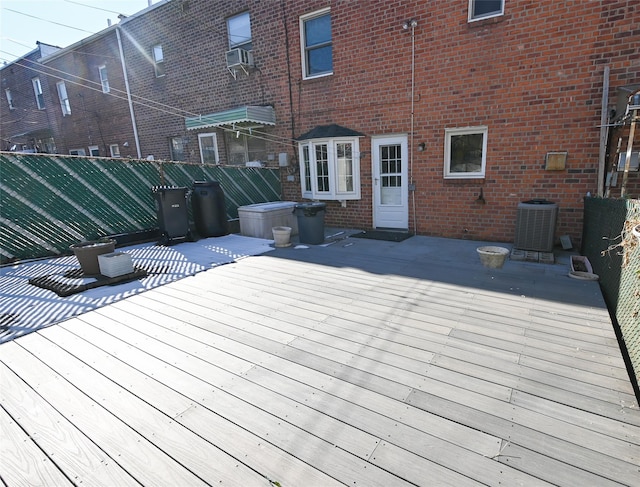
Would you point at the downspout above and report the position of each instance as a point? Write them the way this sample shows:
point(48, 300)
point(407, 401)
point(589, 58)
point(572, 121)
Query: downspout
point(604, 118)
point(126, 84)
point(413, 24)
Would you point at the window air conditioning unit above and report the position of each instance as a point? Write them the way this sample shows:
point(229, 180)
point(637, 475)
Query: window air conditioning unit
point(239, 58)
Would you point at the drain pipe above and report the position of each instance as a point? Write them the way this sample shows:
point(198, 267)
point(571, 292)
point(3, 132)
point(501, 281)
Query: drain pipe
point(126, 84)
point(413, 23)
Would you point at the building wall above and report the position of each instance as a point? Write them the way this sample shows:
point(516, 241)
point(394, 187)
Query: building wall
point(25, 125)
point(97, 118)
point(194, 40)
point(533, 76)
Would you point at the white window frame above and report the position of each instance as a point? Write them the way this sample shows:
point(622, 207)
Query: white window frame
point(475, 18)
point(448, 174)
point(94, 151)
point(303, 47)
point(114, 149)
point(37, 91)
point(158, 61)
point(178, 148)
point(77, 152)
point(246, 44)
point(215, 147)
point(9, 96)
point(65, 106)
point(104, 78)
point(309, 174)
point(250, 153)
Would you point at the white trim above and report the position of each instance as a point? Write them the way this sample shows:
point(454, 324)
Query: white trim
point(390, 216)
point(470, 18)
point(92, 148)
point(104, 81)
point(158, 64)
point(447, 151)
point(65, 105)
point(332, 164)
point(243, 43)
point(215, 146)
point(37, 91)
point(303, 50)
point(9, 96)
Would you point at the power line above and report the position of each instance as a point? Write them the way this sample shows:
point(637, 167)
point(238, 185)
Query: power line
point(47, 20)
point(145, 102)
point(94, 7)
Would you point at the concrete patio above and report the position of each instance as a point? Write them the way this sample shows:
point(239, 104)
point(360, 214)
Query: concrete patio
point(356, 362)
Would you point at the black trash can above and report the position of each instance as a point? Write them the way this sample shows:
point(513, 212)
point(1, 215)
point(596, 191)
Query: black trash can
point(310, 222)
point(172, 211)
point(209, 209)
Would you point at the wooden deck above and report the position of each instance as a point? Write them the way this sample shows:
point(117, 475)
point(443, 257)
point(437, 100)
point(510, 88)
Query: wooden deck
point(340, 367)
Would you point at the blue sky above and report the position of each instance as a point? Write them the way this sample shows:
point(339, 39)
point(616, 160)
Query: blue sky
point(57, 22)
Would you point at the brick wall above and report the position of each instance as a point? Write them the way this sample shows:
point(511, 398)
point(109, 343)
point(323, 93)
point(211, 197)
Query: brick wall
point(26, 124)
point(533, 76)
point(97, 118)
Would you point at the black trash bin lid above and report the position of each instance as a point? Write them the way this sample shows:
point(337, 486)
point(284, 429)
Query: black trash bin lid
point(310, 209)
point(205, 183)
point(538, 202)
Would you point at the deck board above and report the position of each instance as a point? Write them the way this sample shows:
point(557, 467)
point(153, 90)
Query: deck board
point(136, 454)
point(350, 368)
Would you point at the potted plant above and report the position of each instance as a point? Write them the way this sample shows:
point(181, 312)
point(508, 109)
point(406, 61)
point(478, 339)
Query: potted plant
point(87, 253)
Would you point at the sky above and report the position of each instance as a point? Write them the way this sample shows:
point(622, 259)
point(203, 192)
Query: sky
point(56, 22)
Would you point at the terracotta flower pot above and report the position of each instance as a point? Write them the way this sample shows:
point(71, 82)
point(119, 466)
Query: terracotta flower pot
point(493, 257)
point(87, 254)
point(282, 236)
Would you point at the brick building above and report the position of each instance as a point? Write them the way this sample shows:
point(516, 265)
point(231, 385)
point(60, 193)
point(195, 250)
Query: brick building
point(91, 112)
point(437, 117)
point(25, 123)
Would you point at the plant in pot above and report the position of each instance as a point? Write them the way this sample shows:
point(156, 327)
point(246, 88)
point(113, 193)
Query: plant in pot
point(87, 253)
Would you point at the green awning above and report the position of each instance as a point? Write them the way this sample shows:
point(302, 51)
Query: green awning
point(248, 114)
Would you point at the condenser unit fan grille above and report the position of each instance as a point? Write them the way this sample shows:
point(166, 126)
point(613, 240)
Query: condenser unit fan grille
point(535, 225)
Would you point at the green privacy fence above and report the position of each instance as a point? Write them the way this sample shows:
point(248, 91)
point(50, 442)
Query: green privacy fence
point(49, 202)
point(614, 253)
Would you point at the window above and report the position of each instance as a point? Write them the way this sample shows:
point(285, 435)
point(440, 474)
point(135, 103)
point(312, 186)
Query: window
point(94, 151)
point(243, 148)
point(104, 79)
point(115, 150)
point(9, 99)
point(483, 9)
point(77, 152)
point(330, 169)
point(239, 29)
point(317, 48)
point(208, 148)
point(64, 98)
point(37, 90)
point(177, 148)
point(158, 60)
point(465, 152)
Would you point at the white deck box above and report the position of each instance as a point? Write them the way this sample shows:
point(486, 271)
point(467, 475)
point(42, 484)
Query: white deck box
point(258, 220)
point(115, 264)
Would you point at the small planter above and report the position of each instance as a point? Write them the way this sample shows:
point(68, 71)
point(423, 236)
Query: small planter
point(493, 257)
point(281, 236)
point(87, 254)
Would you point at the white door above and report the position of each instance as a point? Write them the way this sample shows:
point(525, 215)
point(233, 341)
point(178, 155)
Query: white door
point(390, 186)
